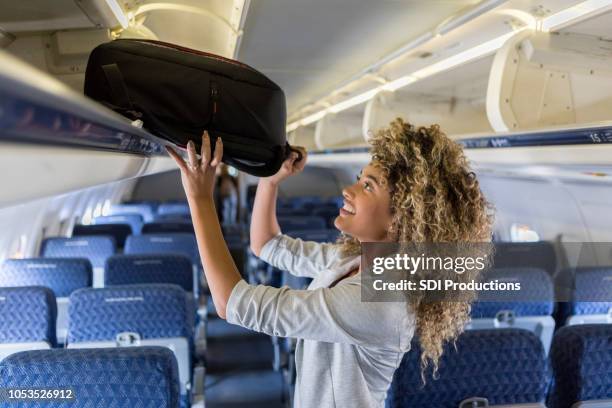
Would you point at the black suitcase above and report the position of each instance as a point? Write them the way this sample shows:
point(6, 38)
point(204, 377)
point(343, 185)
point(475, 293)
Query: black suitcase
point(178, 93)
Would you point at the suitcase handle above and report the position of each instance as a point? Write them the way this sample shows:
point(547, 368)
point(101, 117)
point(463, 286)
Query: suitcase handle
point(289, 149)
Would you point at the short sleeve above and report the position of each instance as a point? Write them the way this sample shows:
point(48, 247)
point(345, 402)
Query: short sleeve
point(335, 315)
point(298, 257)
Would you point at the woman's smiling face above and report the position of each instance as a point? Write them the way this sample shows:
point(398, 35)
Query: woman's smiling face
point(366, 214)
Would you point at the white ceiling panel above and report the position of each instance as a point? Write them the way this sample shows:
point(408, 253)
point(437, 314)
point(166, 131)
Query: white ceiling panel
point(41, 15)
point(310, 46)
point(600, 26)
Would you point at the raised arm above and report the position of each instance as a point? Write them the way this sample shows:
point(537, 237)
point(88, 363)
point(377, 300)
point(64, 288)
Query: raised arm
point(198, 177)
point(264, 225)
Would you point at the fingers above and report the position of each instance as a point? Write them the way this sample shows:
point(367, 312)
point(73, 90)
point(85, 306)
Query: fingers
point(218, 153)
point(205, 149)
point(178, 159)
point(297, 159)
point(191, 154)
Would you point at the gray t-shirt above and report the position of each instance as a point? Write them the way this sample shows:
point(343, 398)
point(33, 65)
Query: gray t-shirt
point(347, 350)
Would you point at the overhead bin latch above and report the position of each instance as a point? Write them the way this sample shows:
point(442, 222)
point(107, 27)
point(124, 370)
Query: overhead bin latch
point(474, 402)
point(127, 339)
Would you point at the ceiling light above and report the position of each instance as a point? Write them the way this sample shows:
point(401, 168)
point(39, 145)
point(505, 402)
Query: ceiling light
point(468, 55)
point(315, 117)
point(399, 83)
point(354, 101)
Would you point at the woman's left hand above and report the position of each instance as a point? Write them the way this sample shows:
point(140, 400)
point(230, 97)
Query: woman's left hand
point(198, 176)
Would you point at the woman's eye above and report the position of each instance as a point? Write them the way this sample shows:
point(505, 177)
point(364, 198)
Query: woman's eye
point(367, 186)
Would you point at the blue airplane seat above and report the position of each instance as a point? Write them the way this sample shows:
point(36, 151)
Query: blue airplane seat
point(173, 208)
point(531, 308)
point(146, 210)
point(592, 298)
point(110, 378)
point(27, 319)
point(119, 232)
point(168, 227)
point(526, 254)
point(170, 243)
point(172, 217)
point(291, 223)
point(581, 359)
point(62, 275)
point(487, 368)
point(135, 221)
point(134, 315)
point(149, 268)
point(95, 248)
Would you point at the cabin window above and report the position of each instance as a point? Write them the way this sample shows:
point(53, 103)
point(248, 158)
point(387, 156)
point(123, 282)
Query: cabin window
point(87, 217)
point(106, 207)
point(19, 247)
point(523, 233)
point(98, 210)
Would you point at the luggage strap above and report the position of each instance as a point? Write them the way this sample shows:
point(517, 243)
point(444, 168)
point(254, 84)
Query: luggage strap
point(118, 89)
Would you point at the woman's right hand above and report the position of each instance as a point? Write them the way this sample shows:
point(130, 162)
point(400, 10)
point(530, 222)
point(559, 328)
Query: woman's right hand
point(290, 166)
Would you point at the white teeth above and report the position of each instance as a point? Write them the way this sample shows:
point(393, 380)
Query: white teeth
point(348, 209)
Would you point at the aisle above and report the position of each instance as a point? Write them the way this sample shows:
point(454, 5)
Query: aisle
point(239, 369)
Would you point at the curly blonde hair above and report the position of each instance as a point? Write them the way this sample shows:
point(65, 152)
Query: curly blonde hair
point(435, 198)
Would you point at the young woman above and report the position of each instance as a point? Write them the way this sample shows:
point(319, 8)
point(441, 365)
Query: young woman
point(417, 188)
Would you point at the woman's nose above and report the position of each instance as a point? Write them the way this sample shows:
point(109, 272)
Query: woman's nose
point(347, 193)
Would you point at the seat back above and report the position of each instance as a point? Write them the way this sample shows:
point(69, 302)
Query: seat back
point(526, 254)
point(118, 231)
point(291, 223)
point(581, 359)
point(172, 217)
point(305, 201)
point(506, 366)
point(173, 208)
point(134, 315)
point(62, 275)
point(111, 378)
point(165, 227)
point(27, 319)
point(592, 301)
point(168, 243)
point(95, 248)
point(145, 210)
point(135, 221)
point(531, 308)
point(142, 269)
point(172, 243)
